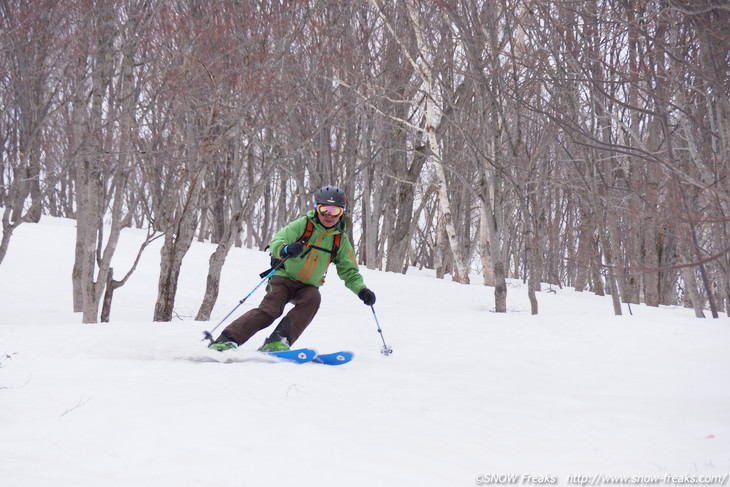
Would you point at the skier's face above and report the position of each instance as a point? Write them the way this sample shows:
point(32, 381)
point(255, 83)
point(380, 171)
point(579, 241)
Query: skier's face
point(329, 220)
point(329, 215)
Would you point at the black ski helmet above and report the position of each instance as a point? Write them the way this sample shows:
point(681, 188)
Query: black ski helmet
point(330, 195)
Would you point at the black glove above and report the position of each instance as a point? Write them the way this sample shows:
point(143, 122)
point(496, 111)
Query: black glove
point(292, 250)
point(367, 296)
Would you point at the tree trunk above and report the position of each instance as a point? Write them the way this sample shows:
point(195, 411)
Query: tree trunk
point(495, 253)
point(613, 267)
point(486, 255)
point(217, 259)
point(177, 243)
point(690, 287)
point(106, 304)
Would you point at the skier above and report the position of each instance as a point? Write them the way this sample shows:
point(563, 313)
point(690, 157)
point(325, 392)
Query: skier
point(307, 246)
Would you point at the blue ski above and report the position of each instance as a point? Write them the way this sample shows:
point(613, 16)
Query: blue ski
point(337, 358)
point(300, 356)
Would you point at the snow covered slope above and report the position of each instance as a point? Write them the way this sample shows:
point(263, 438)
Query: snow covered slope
point(468, 397)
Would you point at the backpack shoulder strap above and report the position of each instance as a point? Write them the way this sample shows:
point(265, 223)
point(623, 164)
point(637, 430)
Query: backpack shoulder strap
point(336, 246)
point(307, 232)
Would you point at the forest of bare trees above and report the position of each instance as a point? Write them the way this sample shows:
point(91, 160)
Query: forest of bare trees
point(575, 143)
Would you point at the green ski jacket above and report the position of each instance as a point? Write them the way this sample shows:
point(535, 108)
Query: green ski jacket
point(310, 267)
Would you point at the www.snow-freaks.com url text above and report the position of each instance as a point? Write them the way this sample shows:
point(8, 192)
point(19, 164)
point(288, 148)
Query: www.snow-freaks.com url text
point(601, 479)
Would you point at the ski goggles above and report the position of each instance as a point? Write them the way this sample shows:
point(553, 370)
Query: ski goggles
point(330, 210)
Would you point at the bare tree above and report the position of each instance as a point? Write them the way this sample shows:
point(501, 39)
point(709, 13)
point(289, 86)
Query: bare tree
point(105, 106)
point(30, 96)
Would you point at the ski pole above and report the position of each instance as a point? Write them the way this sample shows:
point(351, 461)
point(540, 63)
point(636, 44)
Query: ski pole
point(386, 350)
point(208, 335)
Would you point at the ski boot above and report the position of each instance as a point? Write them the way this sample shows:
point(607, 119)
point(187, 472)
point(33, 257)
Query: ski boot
point(223, 346)
point(274, 346)
point(278, 341)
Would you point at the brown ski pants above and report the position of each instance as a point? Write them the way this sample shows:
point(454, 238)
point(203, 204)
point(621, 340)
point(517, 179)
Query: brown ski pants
point(280, 291)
